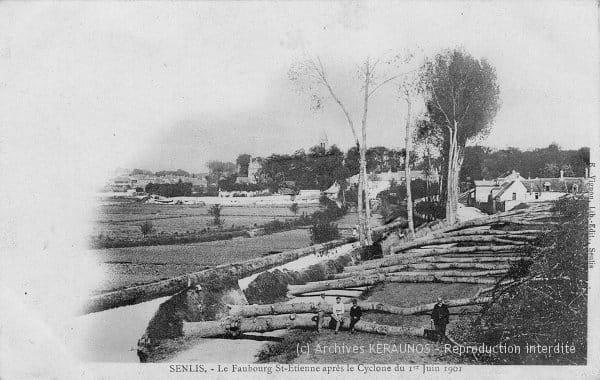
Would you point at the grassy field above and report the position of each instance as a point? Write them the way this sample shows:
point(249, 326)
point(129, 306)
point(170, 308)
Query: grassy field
point(125, 267)
point(122, 219)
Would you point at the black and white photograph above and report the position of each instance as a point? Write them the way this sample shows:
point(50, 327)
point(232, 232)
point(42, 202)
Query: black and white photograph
point(293, 189)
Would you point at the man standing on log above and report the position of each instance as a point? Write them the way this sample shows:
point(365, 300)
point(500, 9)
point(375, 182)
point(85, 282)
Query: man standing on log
point(440, 317)
point(355, 314)
point(338, 313)
point(321, 309)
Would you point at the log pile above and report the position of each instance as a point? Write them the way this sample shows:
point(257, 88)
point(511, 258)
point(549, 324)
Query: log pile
point(263, 318)
point(247, 311)
point(479, 251)
point(232, 327)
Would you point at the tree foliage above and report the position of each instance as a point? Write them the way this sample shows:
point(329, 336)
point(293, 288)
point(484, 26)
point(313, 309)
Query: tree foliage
point(179, 189)
point(178, 172)
point(219, 169)
point(317, 169)
point(141, 171)
point(461, 98)
point(481, 162)
point(461, 89)
point(243, 161)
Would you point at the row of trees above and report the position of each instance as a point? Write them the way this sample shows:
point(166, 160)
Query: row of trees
point(179, 189)
point(317, 169)
point(162, 173)
point(320, 167)
point(485, 163)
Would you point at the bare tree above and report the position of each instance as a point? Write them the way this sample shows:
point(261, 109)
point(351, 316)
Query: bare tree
point(410, 89)
point(409, 203)
point(314, 71)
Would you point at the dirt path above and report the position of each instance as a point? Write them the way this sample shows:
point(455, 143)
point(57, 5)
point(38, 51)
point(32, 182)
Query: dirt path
point(223, 350)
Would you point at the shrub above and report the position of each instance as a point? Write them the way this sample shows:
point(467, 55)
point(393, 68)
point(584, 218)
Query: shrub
point(371, 252)
point(431, 210)
point(323, 231)
point(274, 226)
point(215, 212)
point(324, 200)
point(294, 208)
point(147, 228)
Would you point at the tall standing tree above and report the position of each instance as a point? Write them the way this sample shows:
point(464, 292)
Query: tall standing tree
point(462, 99)
point(242, 162)
point(313, 74)
point(409, 203)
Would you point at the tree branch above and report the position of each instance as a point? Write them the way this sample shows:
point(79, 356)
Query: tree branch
point(320, 70)
point(439, 106)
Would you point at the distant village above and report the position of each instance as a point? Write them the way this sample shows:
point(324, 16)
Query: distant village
point(268, 177)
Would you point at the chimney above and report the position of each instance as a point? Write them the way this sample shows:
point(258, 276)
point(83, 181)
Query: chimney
point(562, 173)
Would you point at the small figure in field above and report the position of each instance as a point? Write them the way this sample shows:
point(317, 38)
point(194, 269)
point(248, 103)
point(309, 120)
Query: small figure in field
point(338, 313)
point(355, 314)
point(321, 309)
point(440, 317)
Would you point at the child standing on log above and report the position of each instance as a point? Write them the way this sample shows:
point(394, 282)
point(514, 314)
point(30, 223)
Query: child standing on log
point(440, 317)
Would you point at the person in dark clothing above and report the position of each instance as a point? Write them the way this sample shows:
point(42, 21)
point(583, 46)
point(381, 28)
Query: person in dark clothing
point(355, 314)
point(440, 317)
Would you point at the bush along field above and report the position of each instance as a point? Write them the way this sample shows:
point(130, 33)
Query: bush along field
point(547, 306)
point(323, 229)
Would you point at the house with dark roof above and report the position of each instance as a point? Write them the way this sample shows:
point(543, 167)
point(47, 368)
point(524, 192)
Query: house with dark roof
point(513, 189)
point(556, 185)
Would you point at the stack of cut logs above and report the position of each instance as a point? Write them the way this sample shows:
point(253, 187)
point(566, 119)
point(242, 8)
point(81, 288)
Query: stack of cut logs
point(478, 251)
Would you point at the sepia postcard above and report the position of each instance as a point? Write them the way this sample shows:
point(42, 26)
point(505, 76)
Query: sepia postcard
point(295, 189)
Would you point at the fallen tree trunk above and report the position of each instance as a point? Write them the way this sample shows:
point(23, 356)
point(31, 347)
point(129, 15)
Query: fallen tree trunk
point(142, 293)
point(414, 256)
point(343, 283)
point(424, 267)
point(488, 231)
point(478, 259)
point(235, 326)
point(246, 311)
point(486, 221)
point(419, 309)
point(450, 250)
point(496, 255)
point(471, 238)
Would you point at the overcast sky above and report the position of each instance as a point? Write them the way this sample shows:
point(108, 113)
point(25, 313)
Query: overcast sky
point(86, 87)
point(173, 84)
